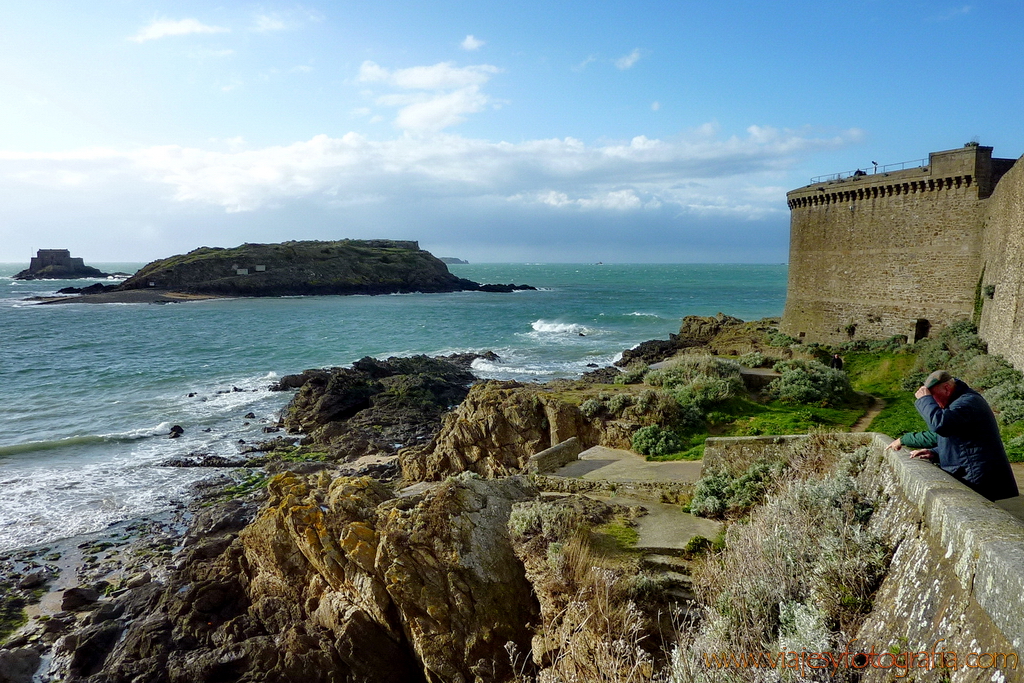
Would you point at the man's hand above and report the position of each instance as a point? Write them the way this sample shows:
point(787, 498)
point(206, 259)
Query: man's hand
point(925, 454)
point(922, 392)
point(894, 446)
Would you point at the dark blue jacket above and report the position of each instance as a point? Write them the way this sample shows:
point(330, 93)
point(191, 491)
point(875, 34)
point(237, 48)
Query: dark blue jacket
point(969, 445)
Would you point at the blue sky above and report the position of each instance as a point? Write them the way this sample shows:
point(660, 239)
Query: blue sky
point(528, 131)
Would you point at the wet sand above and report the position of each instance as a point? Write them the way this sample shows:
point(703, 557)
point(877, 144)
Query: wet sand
point(130, 296)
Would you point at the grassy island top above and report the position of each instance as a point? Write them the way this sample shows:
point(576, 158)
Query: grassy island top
point(301, 267)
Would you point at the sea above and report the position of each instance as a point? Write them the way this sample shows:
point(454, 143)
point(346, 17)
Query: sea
point(89, 392)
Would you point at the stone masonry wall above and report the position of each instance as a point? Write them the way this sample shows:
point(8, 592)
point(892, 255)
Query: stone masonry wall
point(1002, 319)
point(954, 583)
point(872, 255)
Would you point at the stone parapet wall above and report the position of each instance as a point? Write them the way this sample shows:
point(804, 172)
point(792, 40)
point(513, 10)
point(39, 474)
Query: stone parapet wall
point(559, 455)
point(956, 579)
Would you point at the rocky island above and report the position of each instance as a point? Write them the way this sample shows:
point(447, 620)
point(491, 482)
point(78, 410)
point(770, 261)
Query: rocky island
point(305, 268)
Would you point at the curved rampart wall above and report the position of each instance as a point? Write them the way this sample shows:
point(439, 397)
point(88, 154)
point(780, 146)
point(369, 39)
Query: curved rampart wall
point(957, 573)
point(1002, 319)
point(873, 256)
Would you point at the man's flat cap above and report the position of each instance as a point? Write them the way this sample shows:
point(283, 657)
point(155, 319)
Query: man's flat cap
point(937, 377)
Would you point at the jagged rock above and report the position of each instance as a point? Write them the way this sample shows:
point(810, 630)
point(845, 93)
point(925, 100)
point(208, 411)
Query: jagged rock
point(97, 288)
point(648, 352)
point(492, 433)
point(376, 406)
point(35, 578)
point(500, 425)
point(601, 375)
point(460, 611)
point(78, 597)
point(18, 665)
point(465, 360)
point(298, 381)
point(203, 461)
point(340, 580)
point(138, 580)
point(698, 330)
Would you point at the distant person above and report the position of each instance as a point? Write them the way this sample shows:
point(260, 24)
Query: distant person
point(836, 363)
point(963, 438)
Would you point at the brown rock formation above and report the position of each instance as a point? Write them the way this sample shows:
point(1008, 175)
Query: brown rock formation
point(339, 580)
point(500, 425)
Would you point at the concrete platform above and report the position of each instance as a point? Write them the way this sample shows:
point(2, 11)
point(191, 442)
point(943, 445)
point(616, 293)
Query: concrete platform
point(665, 529)
point(618, 466)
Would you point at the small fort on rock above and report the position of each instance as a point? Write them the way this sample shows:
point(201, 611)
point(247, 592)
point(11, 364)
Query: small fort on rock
point(910, 249)
point(57, 264)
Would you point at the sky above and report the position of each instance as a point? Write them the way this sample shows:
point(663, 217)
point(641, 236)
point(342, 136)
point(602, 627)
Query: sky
point(132, 130)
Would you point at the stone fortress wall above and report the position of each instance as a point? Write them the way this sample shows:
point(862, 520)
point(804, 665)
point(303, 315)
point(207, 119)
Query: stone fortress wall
point(54, 257)
point(905, 252)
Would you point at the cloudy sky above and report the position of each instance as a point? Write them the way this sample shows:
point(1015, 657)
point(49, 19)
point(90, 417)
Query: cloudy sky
point(526, 131)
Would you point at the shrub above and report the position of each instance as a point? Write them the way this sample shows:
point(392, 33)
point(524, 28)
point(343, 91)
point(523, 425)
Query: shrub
point(781, 340)
point(654, 440)
point(646, 400)
point(633, 373)
point(800, 573)
point(720, 494)
point(547, 519)
point(618, 403)
point(809, 382)
point(591, 408)
point(754, 359)
point(1008, 399)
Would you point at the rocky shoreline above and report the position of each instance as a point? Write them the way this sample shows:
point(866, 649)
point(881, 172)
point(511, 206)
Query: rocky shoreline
point(367, 541)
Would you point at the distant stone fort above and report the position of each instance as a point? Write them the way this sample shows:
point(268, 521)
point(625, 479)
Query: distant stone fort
point(57, 264)
point(908, 251)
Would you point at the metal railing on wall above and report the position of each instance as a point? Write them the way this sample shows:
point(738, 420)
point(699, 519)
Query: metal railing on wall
point(871, 170)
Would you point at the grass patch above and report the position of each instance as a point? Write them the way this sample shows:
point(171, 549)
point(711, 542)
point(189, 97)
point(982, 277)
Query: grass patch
point(614, 538)
point(898, 417)
point(691, 453)
point(882, 374)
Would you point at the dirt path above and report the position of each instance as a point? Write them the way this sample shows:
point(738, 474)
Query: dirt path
point(862, 424)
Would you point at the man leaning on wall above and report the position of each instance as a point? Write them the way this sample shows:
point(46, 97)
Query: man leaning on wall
point(963, 437)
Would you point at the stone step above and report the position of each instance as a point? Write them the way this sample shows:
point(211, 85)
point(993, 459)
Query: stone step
point(665, 563)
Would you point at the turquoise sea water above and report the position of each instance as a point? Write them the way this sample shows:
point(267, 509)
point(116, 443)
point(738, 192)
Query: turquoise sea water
point(90, 391)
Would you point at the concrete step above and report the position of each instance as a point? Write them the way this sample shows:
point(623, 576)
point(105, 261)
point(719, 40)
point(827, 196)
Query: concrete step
point(665, 563)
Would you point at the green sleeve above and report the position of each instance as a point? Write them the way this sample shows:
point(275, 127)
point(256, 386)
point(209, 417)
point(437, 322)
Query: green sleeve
point(920, 440)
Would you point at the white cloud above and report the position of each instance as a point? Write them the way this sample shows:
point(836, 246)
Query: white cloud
point(583, 65)
point(442, 111)
point(655, 106)
point(471, 43)
point(161, 28)
point(694, 174)
point(689, 197)
point(439, 76)
point(265, 23)
point(627, 61)
point(953, 13)
point(431, 98)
